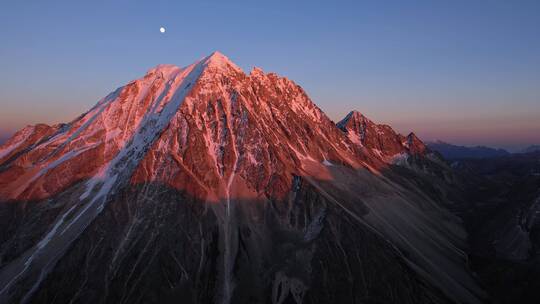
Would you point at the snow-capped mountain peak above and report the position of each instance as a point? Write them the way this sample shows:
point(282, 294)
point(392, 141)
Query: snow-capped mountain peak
point(379, 139)
point(224, 178)
point(353, 118)
point(217, 60)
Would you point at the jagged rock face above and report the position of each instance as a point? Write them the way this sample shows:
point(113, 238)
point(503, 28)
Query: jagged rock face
point(242, 136)
point(206, 184)
point(26, 138)
point(381, 140)
point(415, 145)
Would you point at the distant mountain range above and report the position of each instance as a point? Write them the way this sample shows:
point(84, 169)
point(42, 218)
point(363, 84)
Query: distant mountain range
point(450, 151)
point(531, 149)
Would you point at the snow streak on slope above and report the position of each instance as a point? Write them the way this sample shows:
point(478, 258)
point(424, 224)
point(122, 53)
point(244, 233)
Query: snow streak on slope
point(113, 175)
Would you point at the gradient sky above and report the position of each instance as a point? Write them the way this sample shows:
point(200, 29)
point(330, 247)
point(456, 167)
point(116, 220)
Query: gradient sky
point(467, 72)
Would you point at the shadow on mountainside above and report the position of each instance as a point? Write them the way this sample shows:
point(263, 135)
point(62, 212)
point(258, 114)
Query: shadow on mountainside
point(502, 220)
point(153, 243)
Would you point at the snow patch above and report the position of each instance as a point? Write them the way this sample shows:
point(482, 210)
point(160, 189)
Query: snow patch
point(327, 163)
point(400, 159)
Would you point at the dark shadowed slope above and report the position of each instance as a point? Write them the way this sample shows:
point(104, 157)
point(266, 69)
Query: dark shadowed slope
point(502, 218)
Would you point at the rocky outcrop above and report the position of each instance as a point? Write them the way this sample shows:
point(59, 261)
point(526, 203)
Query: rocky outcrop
point(380, 140)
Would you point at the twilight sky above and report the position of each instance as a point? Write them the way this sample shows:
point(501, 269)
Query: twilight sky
point(467, 72)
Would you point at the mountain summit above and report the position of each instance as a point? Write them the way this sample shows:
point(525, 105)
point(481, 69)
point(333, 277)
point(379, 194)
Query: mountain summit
point(379, 139)
point(207, 184)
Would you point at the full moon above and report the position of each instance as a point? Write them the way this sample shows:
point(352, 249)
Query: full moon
point(162, 29)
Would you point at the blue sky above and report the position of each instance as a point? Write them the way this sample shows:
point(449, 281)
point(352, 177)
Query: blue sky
point(463, 71)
